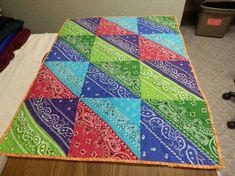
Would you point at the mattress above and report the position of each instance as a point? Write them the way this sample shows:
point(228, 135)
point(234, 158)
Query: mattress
point(20, 73)
point(14, 79)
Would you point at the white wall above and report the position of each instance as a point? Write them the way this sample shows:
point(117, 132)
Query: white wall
point(48, 15)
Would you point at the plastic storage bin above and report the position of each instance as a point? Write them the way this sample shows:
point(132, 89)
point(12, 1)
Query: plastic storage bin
point(214, 19)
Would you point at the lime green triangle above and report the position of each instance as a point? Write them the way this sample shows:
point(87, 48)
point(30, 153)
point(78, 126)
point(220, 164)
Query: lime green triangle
point(168, 21)
point(27, 137)
point(102, 51)
point(81, 43)
point(155, 86)
point(72, 28)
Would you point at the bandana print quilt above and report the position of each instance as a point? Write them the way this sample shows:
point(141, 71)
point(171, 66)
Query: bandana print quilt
point(117, 89)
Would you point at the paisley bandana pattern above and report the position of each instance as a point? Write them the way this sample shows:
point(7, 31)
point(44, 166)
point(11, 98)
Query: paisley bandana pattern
point(93, 137)
point(117, 89)
point(47, 85)
point(56, 117)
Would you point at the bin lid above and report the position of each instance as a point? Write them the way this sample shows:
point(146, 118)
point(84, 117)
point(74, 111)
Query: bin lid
point(219, 8)
point(222, 4)
point(204, 1)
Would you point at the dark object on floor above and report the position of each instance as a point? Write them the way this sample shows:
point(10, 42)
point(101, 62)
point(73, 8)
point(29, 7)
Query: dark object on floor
point(214, 19)
point(227, 96)
point(231, 124)
point(20, 38)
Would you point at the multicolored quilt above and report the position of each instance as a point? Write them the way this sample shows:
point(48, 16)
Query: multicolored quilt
point(118, 89)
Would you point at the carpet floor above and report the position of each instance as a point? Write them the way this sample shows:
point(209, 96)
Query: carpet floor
point(214, 63)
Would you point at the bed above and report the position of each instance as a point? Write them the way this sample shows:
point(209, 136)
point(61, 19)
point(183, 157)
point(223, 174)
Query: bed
point(14, 78)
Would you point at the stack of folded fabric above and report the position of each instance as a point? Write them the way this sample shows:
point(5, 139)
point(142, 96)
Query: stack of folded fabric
point(12, 36)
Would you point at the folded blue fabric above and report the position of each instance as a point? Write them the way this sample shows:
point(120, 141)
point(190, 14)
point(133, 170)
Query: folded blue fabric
point(7, 40)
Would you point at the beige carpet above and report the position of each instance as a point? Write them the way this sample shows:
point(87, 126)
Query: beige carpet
point(214, 63)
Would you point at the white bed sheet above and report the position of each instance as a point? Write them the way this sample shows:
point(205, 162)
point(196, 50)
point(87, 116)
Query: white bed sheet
point(16, 79)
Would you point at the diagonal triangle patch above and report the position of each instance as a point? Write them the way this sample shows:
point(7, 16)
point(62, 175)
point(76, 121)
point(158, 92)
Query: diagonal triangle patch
point(155, 85)
point(126, 73)
point(179, 72)
point(62, 51)
point(152, 51)
point(81, 43)
point(94, 138)
point(56, 117)
point(47, 85)
point(129, 23)
point(104, 51)
point(109, 28)
point(127, 127)
point(129, 107)
point(170, 41)
point(128, 43)
point(90, 24)
point(97, 84)
point(162, 142)
point(27, 137)
point(189, 118)
point(147, 27)
point(166, 21)
point(70, 28)
point(72, 74)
